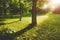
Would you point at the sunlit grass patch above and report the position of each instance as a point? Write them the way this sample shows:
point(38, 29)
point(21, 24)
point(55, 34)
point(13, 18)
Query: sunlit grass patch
point(41, 19)
point(16, 24)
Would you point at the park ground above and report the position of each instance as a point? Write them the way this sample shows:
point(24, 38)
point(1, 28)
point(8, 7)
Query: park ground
point(47, 28)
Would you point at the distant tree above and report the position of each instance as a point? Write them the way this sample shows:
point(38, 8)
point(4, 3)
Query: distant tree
point(4, 7)
point(0, 7)
point(20, 8)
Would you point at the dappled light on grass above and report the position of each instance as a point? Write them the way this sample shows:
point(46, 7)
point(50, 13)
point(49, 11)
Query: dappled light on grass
point(41, 19)
point(48, 27)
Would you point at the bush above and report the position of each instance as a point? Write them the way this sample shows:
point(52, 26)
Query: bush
point(6, 34)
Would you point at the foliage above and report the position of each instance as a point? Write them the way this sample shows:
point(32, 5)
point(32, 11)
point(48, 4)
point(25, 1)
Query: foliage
point(40, 3)
point(13, 6)
point(6, 33)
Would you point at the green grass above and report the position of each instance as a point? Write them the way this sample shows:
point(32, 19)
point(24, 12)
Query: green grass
point(16, 24)
point(47, 28)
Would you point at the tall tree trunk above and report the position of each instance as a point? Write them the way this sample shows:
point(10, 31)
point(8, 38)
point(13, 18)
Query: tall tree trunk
point(34, 21)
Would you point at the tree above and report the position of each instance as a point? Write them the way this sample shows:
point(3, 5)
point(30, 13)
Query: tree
point(4, 7)
point(34, 21)
point(20, 9)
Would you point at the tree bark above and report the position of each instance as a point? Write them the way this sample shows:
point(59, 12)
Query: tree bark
point(34, 21)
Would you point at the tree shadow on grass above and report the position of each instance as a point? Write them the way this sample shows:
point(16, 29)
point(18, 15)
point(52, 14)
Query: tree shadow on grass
point(2, 22)
point(13, 35)
point(30, 26)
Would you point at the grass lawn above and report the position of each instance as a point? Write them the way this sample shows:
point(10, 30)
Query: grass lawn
point(47, 28)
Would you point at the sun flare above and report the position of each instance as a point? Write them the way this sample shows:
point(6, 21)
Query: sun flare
point(45, 6)
point(55, 1)
point(52, 4)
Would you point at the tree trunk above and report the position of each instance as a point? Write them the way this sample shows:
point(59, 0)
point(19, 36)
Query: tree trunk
point(34, 21)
